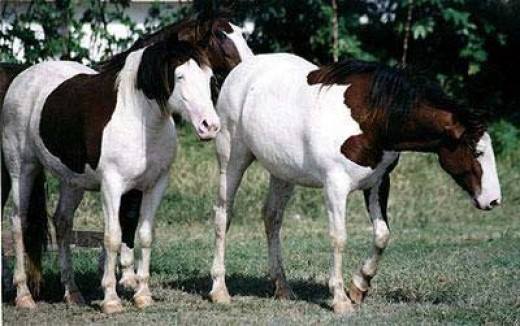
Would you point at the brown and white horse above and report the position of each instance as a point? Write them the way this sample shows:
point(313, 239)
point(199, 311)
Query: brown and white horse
point(340, 128)
point(110, 131)
point(224, 46)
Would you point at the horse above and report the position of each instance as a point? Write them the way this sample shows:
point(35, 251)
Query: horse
point(224, 46)
point(110, 131)
point(340, 127)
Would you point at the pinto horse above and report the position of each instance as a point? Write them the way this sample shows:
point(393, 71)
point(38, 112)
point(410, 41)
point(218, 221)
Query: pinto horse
point(110, 131)
point(223, 44)
point(341, 128)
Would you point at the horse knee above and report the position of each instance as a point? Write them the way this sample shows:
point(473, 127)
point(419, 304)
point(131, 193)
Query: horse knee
point(338, 240)
point(381, 234)
point(113, 240)
point(145, 236)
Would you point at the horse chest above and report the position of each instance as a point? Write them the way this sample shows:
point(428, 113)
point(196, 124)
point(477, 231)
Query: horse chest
point(137, 153)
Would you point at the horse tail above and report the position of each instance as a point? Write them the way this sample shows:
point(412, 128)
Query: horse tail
point(35, 234)
point(6, 184)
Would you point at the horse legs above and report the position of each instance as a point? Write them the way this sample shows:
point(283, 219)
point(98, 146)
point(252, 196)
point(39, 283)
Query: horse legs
point(23, 175)
point(234, 158)
point(279, 194)
point(129, 217)
point(111, 191)
point(376, 202)
point(63, 220)
point(336, 192)
point(150, 203)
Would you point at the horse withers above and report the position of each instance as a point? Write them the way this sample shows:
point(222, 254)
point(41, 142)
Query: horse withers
point(341, 128)
point(110, 131)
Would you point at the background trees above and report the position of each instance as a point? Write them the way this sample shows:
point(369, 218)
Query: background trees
point(469, 46)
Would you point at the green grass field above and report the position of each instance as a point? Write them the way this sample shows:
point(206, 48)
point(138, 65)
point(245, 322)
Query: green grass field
point(446, 263)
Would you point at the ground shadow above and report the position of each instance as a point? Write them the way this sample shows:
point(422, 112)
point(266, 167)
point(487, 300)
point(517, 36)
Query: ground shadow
point(52, 291)
point(246, 285)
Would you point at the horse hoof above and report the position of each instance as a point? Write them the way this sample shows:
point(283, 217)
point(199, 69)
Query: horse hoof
point(112, 307)
point(25, 302)
point(129, 282)
point(284, 293)
point(355, 294)
point(220, 296)
point(343, 307)
point(74, 298)
point(143, 301)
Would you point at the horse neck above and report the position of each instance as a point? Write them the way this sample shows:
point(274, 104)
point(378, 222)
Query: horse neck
point(131, 102)
point(423, 130)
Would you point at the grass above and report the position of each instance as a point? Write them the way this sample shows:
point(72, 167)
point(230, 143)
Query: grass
point(447, 262)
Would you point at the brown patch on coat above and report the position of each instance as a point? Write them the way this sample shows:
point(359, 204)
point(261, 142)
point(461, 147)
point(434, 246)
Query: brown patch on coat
point(397, 111)
point(74, 116)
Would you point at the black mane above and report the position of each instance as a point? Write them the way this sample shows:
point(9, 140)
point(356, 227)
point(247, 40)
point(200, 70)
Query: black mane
point(155, 75)
point(117, 61)
point(395, 92)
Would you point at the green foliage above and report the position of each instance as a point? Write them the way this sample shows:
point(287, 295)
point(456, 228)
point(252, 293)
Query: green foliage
point(506, 137)
point(54, 29)
point(467, 45)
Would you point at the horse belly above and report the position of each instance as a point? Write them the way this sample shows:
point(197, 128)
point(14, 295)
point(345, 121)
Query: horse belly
point(281, 145)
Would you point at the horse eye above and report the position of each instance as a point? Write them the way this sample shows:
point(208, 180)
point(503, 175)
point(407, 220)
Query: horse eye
point(180, 77)
point(221, 35)
point(479, 153)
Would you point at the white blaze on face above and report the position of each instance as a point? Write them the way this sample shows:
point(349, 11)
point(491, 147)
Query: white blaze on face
point(490, 194)
point(240, 43)
point(191, 97)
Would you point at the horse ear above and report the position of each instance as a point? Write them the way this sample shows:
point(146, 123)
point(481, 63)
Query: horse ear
point(154, 77)
point(454, 131)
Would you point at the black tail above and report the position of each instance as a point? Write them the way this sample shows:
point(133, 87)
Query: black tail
point(35, 234)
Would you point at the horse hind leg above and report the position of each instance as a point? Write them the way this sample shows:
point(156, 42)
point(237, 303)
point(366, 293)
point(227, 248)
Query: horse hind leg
point(234, 158)
point(279, 194)
point(22, 178)
point(63, 221)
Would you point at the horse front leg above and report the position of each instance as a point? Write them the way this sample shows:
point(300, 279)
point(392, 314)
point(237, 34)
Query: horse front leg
point(279, 194)
point(111, 191)
point(234, 158)
point(336, 192)
point(376, 199)
point(150, 203)
point(129, 215)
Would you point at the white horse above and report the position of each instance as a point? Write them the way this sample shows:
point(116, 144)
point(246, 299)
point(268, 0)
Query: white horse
point(109, 131)
point(339, 128)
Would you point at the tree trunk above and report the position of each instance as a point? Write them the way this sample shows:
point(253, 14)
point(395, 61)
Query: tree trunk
point(407, 29)
point(335, 31)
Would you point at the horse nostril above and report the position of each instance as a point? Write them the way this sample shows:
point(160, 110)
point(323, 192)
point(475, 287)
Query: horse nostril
point(205, 124)
point(494, 203)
